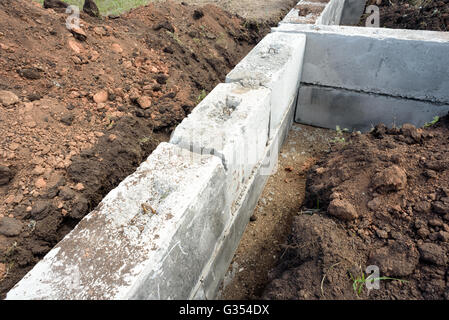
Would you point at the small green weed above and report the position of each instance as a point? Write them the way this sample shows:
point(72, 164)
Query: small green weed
point(359, 282)
point(431, 123)
point(201, 97)
point(340, 135)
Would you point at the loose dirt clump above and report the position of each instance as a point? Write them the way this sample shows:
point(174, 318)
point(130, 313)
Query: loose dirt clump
point(377, 199)
point(81, 108)
point(412, 14)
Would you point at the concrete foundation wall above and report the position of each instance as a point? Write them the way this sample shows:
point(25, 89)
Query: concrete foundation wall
point(170, 230)
point(376, 63)
point(357, 77)
point(275, 63)
point(329, 107)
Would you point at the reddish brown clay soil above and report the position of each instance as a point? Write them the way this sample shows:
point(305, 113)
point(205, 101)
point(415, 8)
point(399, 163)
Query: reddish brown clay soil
point(417, 15)
point(377, 199)
point(80, 110)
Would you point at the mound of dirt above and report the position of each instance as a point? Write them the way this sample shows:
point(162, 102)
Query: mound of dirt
point(378, 199)
point(416, 15)
point(80, 109)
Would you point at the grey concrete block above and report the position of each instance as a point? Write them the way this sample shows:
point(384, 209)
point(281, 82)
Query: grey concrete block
point(243, 209)
point(397, 63)
point(352, 12)
point(275, 63)
point(121, 251)
point(232, 123)
point(329, 107)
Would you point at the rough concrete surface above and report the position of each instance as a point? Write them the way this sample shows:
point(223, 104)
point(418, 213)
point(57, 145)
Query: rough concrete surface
point(328, 107)
point(232, 124)
point(275, 63)
point(242, 211)
point(354, 59)
point(125, 250)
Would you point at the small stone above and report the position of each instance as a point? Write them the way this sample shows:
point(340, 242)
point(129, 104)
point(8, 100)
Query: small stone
point(31, 73)
point(432, 253)
point(423, 207)
point(397, 259)
point(409, 130)
point(5, 175)
point(342, 209)
point(66, 193)
point(7, 98)
point(161, 79)
point(40, 209)
point(34, 96)
point(101, 31)
point(443, 236)
point(10, 227)
point(79, 209)
point(320, 170)
point(374, 204)
point(101, 96)
point(2, 271)
point(391, 179)
point(116, 48)
point(382, 234)
point(79, 187)
point(40, 183)
point(440, 207)
point(38, 170)
point(55, 4)
point(198, 14)
point(433, 236)
point(75, 47)
point(423, 232)
point(67, 119)
point(112, 137)
point(78, 33)
point(10, 199)
point(144, 102)
point(91, 8)
point(435, 223)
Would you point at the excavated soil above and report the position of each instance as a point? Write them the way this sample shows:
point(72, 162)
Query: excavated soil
point(416, 15)
point(255, 11)
point(81, 109)
point(377, 199)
